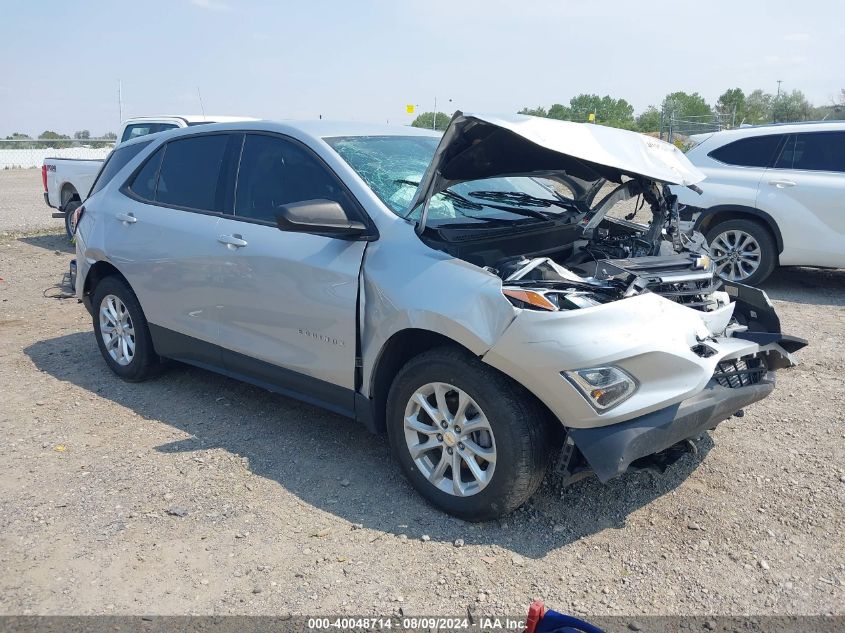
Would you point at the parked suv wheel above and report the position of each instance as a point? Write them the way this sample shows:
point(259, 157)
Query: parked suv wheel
point(469, 439)
point(743, 251)
point(121, 330)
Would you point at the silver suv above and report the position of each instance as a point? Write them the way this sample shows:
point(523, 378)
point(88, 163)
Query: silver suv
point(468, 295)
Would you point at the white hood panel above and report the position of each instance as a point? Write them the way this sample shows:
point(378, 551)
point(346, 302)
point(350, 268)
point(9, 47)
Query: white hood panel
point(627, 151)
point(477, 146)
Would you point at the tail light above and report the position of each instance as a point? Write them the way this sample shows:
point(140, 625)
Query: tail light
point(44, 176)
point(77, 216)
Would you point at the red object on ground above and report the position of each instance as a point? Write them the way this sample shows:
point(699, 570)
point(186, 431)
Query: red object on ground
point(535, 614)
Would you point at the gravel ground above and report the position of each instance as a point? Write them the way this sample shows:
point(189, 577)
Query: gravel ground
point(22, 205)
point(196, 494)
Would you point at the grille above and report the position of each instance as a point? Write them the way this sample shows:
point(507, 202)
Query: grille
point(705, 351)
point(693, 294)
point(740, 372)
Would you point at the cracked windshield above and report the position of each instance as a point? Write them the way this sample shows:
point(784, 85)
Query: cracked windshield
point(392, 166)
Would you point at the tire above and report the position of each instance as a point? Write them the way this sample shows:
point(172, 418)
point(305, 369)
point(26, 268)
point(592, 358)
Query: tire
point(142, 363)
point(747, 237)
point(69, 208)
point(521, 435)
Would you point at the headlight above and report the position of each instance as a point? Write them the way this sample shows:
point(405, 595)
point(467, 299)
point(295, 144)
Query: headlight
point(522, 298)
point(551, 300)
point(603, 387)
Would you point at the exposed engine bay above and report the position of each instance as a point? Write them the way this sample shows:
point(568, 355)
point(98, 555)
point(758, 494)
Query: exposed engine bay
point(588, 257)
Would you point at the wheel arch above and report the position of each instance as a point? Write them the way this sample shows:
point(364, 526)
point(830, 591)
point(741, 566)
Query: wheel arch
point(400, 348)
point(719, 213)
point(96, 273)
point(67, 187)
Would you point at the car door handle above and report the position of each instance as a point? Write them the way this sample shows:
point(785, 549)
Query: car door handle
point(126, 218)
point(232, 241)
point(780, 184)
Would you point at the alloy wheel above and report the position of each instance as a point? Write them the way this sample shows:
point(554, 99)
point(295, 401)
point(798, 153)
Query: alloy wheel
point(737, 254)
point(117, 330)
point(450, 440)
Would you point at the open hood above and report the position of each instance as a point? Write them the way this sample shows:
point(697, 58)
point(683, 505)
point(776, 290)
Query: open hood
point(477, 146)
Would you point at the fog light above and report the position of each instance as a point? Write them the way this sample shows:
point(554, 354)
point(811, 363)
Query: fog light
point(603, 387)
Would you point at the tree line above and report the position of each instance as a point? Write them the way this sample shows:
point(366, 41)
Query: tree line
point(79, 138)
point(733, 107)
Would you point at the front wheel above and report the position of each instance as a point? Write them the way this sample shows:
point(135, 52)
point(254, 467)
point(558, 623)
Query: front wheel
point(469, 439)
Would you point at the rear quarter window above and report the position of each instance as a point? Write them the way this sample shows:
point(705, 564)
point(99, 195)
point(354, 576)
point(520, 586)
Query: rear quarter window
point(814, 151)
point(145, 180)
point(756, 151)
point(116, 161)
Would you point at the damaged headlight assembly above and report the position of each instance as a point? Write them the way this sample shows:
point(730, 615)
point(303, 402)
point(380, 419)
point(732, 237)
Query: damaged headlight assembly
point(553, 300)
point(603, 387)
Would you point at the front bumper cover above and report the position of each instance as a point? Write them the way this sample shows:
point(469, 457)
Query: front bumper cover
point(609, 450)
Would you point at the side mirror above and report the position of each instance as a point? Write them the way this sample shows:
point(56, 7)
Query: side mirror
point(320, 217)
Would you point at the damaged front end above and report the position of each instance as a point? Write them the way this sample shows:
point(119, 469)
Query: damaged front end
point(728, 364)
point(632, 380)
point(623, 330)
point(522, 193)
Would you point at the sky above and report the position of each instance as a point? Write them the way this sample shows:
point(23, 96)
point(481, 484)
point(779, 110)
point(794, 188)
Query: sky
point(364, 60)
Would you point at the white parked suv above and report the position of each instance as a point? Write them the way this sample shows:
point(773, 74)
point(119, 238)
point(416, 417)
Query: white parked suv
point(774, 195)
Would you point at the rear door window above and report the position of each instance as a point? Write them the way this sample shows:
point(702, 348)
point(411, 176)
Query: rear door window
point(756, 151)
point(116, 161)
point(814, 151)
point(197, 172)
point(142, 129)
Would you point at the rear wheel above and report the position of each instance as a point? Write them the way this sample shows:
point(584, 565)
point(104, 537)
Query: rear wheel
point(121, 330)
point(69, 203)
point(742, 250)
point(70, 217)
point(469, 439)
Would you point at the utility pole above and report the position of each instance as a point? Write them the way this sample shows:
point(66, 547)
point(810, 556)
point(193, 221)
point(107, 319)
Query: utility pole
point(779, 82)
point(434, 122)
point(775, 105)
point(202, 107)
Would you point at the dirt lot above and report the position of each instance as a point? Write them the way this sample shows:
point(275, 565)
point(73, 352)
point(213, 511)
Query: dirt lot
point(197, 494)
point(22, 205)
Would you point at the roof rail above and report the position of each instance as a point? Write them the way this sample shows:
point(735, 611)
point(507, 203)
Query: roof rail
point(786, 123)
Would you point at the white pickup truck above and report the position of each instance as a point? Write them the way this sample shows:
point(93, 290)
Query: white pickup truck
point(67, 181)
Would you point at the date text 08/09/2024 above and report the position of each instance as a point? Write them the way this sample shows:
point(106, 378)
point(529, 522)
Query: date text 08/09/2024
point(416, 623)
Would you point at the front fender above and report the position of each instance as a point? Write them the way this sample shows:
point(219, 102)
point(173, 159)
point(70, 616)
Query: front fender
point(407, 285)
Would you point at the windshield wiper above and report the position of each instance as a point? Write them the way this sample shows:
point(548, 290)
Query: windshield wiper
point(520, 198)
point(455, 198)
point(461, 201)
